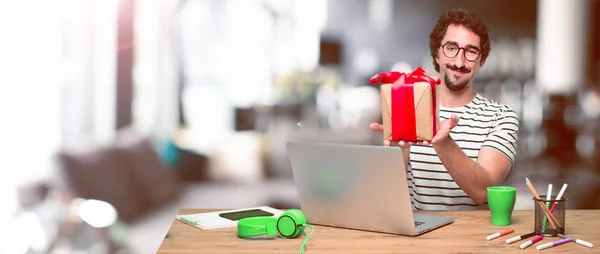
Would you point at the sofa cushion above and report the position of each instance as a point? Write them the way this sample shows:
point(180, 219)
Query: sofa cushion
point(157, 182)
point(99, 173)
point(127, 173)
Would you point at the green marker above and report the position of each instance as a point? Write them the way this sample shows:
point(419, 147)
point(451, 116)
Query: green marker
point(188, 220)
point(549, 198)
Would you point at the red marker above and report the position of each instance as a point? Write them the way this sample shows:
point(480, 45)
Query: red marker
point(532, 241)
point(559, 196)
point(499, 234)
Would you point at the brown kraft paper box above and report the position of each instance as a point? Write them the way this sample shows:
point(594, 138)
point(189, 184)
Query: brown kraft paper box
point(423, 97)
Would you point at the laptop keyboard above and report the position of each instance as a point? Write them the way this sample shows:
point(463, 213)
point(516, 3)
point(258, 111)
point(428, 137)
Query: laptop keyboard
point(417, 223)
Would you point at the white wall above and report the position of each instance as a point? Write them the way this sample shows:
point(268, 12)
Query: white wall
point(56, 83)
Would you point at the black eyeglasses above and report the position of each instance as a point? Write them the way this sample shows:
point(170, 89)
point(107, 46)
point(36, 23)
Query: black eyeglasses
point(451, 50)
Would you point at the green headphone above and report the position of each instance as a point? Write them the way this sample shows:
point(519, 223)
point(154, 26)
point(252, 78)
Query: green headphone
point(289, 224)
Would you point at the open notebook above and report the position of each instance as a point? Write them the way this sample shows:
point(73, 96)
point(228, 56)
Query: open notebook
point(225, 218)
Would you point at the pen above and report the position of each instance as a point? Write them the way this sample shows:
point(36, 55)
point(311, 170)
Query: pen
point(552, 244)
point(578, 241)
point(518, 238)
point(499, 234)
point(532, 241)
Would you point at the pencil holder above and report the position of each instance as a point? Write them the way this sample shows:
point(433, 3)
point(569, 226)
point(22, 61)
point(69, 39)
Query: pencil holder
point(549, 226)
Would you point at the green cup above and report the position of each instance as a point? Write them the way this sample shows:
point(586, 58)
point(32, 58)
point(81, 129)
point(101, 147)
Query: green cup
point(501, 200)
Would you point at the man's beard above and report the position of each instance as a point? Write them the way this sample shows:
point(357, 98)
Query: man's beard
point(452, 86)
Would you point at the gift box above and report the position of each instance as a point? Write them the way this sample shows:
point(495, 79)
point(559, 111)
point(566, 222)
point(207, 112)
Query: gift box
point(409, 105)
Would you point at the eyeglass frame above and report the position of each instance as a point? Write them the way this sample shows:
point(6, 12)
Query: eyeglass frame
point(464, 49)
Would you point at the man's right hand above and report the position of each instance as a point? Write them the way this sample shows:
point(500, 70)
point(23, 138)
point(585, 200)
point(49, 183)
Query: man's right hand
point(379, 128)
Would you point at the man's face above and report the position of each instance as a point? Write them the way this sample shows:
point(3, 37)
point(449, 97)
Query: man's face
point(459, 71)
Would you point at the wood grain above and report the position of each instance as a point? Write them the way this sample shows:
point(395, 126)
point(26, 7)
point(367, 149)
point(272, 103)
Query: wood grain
point(466, 235)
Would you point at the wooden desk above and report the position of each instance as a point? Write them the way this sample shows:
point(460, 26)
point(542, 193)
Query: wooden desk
point(467, 234)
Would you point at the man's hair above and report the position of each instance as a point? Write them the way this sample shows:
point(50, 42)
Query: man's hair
point(458, 17)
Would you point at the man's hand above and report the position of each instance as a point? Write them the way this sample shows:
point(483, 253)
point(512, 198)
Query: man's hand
point(444, 132)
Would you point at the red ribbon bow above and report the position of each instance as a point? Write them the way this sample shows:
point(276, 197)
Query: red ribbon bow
point(403, 101)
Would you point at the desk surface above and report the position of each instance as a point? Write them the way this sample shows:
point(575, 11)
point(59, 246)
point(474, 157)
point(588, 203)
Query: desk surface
point(467, 234)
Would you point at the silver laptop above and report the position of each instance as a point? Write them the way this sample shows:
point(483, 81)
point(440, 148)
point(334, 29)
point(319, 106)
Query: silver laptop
point(357, 187)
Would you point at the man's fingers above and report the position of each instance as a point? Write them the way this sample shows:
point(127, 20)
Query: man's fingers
point(453, 120)
point(405, 144)
point(376, 127)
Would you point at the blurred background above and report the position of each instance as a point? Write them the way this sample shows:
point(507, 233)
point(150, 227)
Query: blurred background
point(117, 113)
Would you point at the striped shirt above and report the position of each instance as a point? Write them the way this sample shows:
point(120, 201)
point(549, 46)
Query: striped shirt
point(482, 122)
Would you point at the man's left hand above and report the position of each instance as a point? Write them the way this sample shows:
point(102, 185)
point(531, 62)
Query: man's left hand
point(444, 131)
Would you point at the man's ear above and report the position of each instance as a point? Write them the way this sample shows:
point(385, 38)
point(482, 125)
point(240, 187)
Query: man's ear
point(481, 63)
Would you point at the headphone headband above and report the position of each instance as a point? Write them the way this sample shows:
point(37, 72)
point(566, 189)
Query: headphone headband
point(255, 226)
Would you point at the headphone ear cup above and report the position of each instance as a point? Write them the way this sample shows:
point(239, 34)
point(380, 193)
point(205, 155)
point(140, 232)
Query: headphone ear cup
point(291, 223)
point(300, 220)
